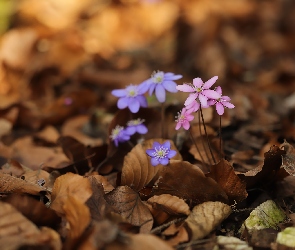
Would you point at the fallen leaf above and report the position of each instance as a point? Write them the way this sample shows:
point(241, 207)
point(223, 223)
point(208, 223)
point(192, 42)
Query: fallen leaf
point(205, 217)
point(137, 171)
point(127, 203)
point(232, 243)
point(12, 167)
point(289, 158)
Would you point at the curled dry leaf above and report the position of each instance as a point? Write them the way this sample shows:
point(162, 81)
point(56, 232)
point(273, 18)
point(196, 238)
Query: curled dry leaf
point(107, 187)
point(205, 217)
point(188, 182)
point(137, 169)
point(11, 184)
point(69, 185)
point(223, 173)
point(170, 204)
point(13, 167)
point(289, 158)
point(128, 204)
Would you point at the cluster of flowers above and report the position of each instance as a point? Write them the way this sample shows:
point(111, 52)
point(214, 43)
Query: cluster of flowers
point(201, 96)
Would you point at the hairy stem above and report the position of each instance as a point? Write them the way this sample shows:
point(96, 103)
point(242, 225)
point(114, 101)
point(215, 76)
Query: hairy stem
point(201, 136)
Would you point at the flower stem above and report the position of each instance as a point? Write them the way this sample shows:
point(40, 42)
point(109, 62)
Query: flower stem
point(201, 136)
point(220, 137)
point(207, 136)
point(162, 119)
point(193, 140)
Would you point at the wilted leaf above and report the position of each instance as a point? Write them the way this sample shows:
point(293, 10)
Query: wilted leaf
point(69, 185)
point(288, 158)
point(12, 167)
point(127, 202)
point(107, 186)
point(137, 169)
point(188, 182)
point(205, 217)
point(11, 184)
point(223, 173)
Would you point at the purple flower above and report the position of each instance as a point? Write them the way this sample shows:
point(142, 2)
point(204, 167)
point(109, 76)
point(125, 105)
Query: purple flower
point(221, 102)
point(119, 135)
point(161, 82)
point(160, 153)
point(199, 91)
point(131, 97)
point(136, 125)
point(183, 119)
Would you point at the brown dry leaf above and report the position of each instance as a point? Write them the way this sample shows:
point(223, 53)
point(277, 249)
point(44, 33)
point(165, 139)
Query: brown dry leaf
point(180, 237)
point(223, 173)
point(140, 241)
point(11, 184)
point(169, 203)
point(107, 186)
point(12, 167)
point(69, 185)
point(38, 177)
point(137, 169)
point(78, 216)
point(289, 158)
point(49, 135)
point(128, 204)
point(205, 217)
point(188, 182)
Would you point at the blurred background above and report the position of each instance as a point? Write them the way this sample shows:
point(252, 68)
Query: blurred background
point(59, 58)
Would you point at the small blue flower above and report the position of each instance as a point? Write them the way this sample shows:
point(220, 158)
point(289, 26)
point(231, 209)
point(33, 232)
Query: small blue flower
point(160, 153)
point(136, 125)
point(131, 97)
point(119, 135)
point(161, 82)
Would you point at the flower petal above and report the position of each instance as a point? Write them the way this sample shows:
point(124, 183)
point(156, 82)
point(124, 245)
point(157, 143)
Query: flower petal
point(144, 86)
point(211, 102)
point(170, 86)
point(166, 144)
point(160, 93)
point(119, 92)
point(178, 125)
point(225, 98)
point(141, 129)
point(186, 125)
point(210, 82)
point(218, 89)
point(185, 88)
point(142, 101)
point(211, 94)
point(156, 144)
point(191, 98)
point(123, 102)
point(150, 152)
point(164, 161)
point(171, 76)
point(219, 108)
point(133, 105)
point(203, 100)
point(228, 105)
point(198, 83)
point(130, 130)
point(154, 162)
point(152, 88)
point(171, 153)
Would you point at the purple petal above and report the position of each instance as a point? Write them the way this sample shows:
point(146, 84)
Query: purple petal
point(218, 89)
point(166, 144)
point(141, 129)
point(203, 100)
point(130, 130)
point(225, 98)
point(133, 105)
point(186, 125)
point(119, 92)
point(171, 153)
point(152, 88)
point(198, 82)
point(123, 102)
point(219, 108)
point(154, 162)
point(156, 144)
point(210, 82)
point(144, 86)
point(164, 161)
point(171, 76)
point(228, 105)
point(211, 94)
point(170, 86)
point(211, 102)
point(185, 88)
point(116, 143)
point(191, 98)
point(150, 152)
point(142, 101)
point(160, 93)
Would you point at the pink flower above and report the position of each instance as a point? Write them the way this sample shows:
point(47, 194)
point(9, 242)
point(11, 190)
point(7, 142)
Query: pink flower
point(200, 91)
point(183, 119)
point(221, 102)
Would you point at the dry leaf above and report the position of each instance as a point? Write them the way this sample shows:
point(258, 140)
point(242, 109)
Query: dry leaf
point(107, 186)
point(12, 167)
point(69, 185)
point(127, 202)
point(188, 182)
point(137, 169)
point(289, 158)
point(205, 217)
point(223, 173)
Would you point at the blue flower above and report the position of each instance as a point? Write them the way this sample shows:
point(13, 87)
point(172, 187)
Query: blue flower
point(131, 97)
point(119, 135)
point(136, 125)
point(161, 82)
point(160, 153)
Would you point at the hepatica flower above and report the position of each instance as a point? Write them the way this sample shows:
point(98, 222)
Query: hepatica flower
point(119, 135)
point(161, 82)
point(183, 119)
point(136, 125)
point(221, 102)
point(200, 91)
point(132, 97)
point(160, 153)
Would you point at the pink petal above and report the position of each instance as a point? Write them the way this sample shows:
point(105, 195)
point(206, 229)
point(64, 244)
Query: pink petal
point(185, 88)
point(225, 98)
point(218, 89)
point(203, 100)
point(178, 125)
point(219, 108)
point(211, 94)
point(210, 82)
point(186, 125)
point(228, 105)
point(193, 107)
point(198, 82)
point(190, 99)
point(190, 117)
